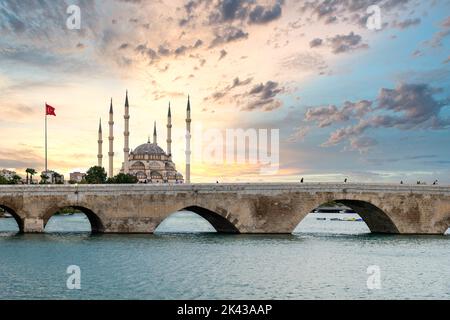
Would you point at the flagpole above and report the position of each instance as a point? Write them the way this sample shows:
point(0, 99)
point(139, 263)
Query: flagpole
point(46, 138)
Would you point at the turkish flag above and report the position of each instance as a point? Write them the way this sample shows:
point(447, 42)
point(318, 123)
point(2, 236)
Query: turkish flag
point(49, 110)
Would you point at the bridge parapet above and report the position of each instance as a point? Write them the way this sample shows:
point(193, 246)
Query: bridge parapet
point(226, 187)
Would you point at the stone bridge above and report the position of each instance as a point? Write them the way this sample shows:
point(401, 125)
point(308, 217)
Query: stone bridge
point(231, 208)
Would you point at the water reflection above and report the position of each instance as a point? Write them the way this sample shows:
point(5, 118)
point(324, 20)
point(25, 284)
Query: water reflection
point(323, 223)
point(185, 222)
point(76, 222)
point(8, 225)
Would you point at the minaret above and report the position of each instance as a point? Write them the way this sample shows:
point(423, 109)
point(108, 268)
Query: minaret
point(126, 134)
point(155, 140)
point(100, 145)
point(169, 133)
point(188, 141)
point(111, 141)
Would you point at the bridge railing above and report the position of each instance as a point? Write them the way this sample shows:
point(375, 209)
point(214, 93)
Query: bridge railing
point(228, 187)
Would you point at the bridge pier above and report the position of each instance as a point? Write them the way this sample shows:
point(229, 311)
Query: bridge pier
point(33, 225)
point(129, 225)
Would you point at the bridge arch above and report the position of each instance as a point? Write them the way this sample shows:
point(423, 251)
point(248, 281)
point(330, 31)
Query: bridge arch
point(16, 217)
point(445, 225)
point(217, 221)
point(376, 219)
point(94, 220)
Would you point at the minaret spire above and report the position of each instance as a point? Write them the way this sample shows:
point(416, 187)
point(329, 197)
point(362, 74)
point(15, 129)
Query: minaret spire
point(100, 144)
point(169, 133)
point(188, 141)
point(126, 134)
point(155, 138)
point(111, 141)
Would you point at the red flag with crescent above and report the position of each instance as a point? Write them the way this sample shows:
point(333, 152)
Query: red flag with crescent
point(49, 110)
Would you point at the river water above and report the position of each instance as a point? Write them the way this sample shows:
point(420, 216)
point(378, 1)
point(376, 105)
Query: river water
point(321, 260)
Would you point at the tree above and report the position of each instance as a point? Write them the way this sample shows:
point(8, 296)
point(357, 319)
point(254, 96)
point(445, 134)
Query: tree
point(123, 178)
point(96, 175)
point(15, 179)
point(3, 180)
point(58, 178)
point(31, 172)
point(27, 173)
point(44, 178)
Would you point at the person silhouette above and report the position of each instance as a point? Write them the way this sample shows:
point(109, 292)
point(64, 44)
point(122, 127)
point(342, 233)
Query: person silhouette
point(345, 181)
point(301, 181)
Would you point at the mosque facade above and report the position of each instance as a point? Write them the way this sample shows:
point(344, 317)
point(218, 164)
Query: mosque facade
point(148, 162)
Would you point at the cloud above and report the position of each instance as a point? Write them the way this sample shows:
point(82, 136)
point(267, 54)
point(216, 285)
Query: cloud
point(354, 12)
point(299, 134)
point(444, 32)
point(20, 17)
point(19, 112)
point(305, 61)
point(317, 42)
point(344, 43)
point(261, 15)
point(223, 54)
point(225, 91)
point(181, 50)
point(406, 23)
point(258, 97)
point(228, 34)
point(362, 144)
point(198, 44)
point(149, 53)
point(416, 105)
point(232, 9)
point(262, 97)
point(326, 116)
point(28, 159)
point(124, 46)
point(163, 50)
point(131, 1)
point(252, 12)
point(407, 107)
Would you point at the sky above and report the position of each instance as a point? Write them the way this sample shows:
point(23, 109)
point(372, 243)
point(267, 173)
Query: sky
point(344, 99)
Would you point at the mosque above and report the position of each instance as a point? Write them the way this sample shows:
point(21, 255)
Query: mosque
point(148, 162)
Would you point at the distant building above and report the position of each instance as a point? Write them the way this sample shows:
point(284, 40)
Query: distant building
point(7, 174)
point(77, 176)
point(53, 177)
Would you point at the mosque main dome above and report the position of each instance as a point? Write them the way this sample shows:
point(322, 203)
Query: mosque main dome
point(148, 148)
point(151, 164)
